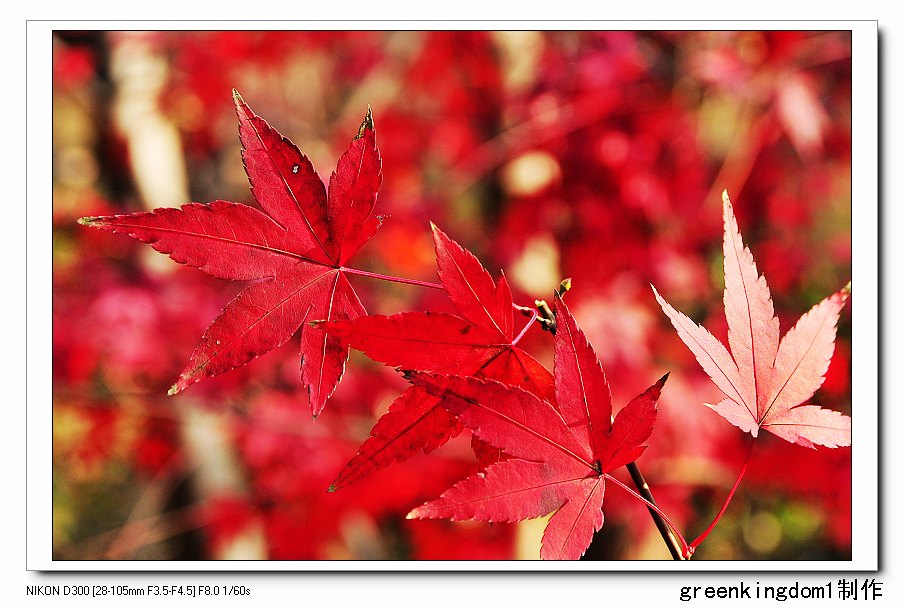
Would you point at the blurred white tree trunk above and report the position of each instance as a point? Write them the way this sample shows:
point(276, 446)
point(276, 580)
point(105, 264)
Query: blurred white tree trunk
point(157, 163)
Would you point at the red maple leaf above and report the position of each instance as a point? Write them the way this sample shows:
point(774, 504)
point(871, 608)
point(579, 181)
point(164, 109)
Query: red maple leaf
point(481, 342)
point(766, 381)
point(294, 252)
point(561, 457)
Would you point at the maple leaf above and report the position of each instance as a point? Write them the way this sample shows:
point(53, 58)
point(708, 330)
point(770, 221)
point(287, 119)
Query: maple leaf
point(294, 252)
point(766, 381)
point(561, 457)
point(480, 342)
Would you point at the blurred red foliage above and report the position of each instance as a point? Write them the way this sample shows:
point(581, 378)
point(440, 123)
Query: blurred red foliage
point(594, 155)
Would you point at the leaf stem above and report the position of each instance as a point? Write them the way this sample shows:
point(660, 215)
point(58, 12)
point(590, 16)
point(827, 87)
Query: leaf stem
point(734, 488)
point(430, 285)
point(533, 317)
point(667, 535)
point(685, 550)
point(361, 272)
point(523, 309)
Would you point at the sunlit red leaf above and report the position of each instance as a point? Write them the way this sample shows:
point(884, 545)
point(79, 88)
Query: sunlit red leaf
point(480, 342)
point(559, 462)
point(293, 251)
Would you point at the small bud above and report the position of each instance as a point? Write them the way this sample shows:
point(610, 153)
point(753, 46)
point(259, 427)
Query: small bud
point(368, 123)
point(564, 287)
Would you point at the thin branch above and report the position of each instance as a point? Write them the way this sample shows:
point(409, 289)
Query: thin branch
point(667, 535)
point(685, 550)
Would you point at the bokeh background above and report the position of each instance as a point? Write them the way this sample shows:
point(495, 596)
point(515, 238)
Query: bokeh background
point(599, 156)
